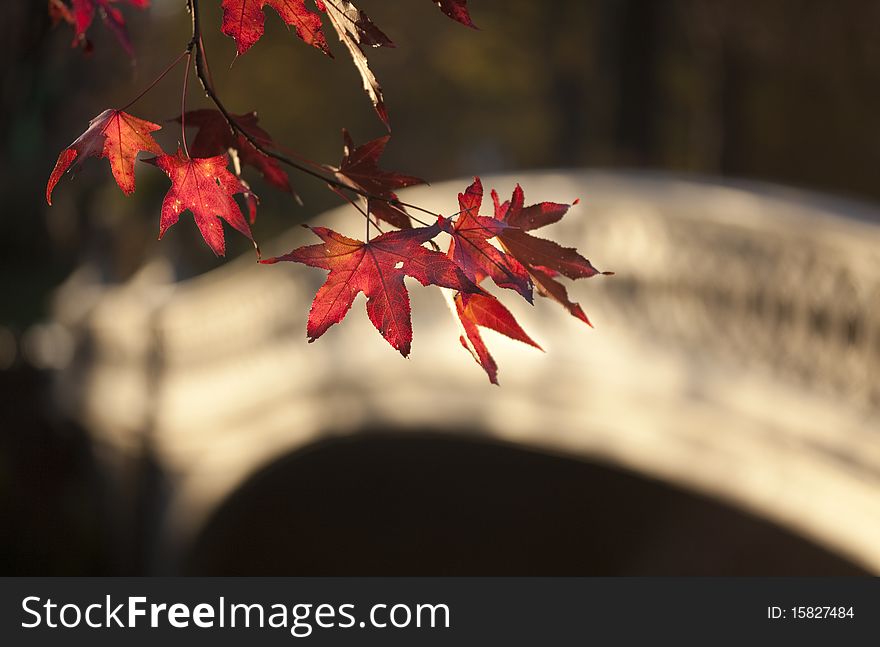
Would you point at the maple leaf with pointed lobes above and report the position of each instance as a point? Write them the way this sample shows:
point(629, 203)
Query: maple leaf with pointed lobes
point(544, 259)
point(457, 10)
point(113, 134)
point(205, 187)
point(360, 169)
point(484, 310)
point(376, 268)
point(355, 31)
point(243, 20)
point(215, 137)
point(471, 250)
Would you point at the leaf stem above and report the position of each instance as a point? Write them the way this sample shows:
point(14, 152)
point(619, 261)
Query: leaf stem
point(155, 81)
point(207, 67)
point(183, 102)
point(362, 211)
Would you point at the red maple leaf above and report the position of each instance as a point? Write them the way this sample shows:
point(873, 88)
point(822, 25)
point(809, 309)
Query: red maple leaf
point(215, 137)
point(484, 310)
point(457, 10)
point(243, 21)
point(205, 187)
point(544, 259)
point(81, 14)
point(376, 268)
point(113, 134)
point(356, 31)
point(471, 250)
point(360, 169)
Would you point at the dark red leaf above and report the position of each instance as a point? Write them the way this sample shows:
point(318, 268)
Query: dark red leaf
point(457, 10)
point(215, 137)
point(533, 251)
point(377, 269)
point(360, 169)
point(544, 259)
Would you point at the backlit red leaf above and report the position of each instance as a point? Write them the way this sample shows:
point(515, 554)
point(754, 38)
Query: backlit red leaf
point(544, 259)
point(376, 268)
point(205, 187)
point(113, 134)
point(471, 250)
point(360, 168)
point(527, 218)
point(533, 251)
point(243, 21)
point(475, 310)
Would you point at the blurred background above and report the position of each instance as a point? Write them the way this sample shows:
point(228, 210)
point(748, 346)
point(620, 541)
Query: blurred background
point(123, 448)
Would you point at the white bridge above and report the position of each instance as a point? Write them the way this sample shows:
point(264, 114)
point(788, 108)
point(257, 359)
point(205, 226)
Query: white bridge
point(736, 353)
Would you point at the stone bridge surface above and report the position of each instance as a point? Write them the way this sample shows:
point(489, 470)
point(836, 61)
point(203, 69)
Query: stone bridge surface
point(735, 353)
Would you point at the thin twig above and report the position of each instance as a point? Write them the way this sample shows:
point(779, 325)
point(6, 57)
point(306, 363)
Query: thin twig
point(183, 103)
point(204, 79)
point(153, 83)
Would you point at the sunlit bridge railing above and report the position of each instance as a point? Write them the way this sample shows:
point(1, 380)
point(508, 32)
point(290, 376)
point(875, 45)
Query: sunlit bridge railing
point(736, 352)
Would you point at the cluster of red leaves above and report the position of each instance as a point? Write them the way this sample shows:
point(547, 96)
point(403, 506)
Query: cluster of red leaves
point(517, 260)
point(199, 175)
point(201, 181)
point(497, 247)
point(202, 185)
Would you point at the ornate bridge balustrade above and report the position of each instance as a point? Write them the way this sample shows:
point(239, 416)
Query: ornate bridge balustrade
point(736, 353)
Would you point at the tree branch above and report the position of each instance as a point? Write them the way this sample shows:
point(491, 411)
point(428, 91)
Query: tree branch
point(195, 45)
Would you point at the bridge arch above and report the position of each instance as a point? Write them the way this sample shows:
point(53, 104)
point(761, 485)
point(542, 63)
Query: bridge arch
point(736, 354)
